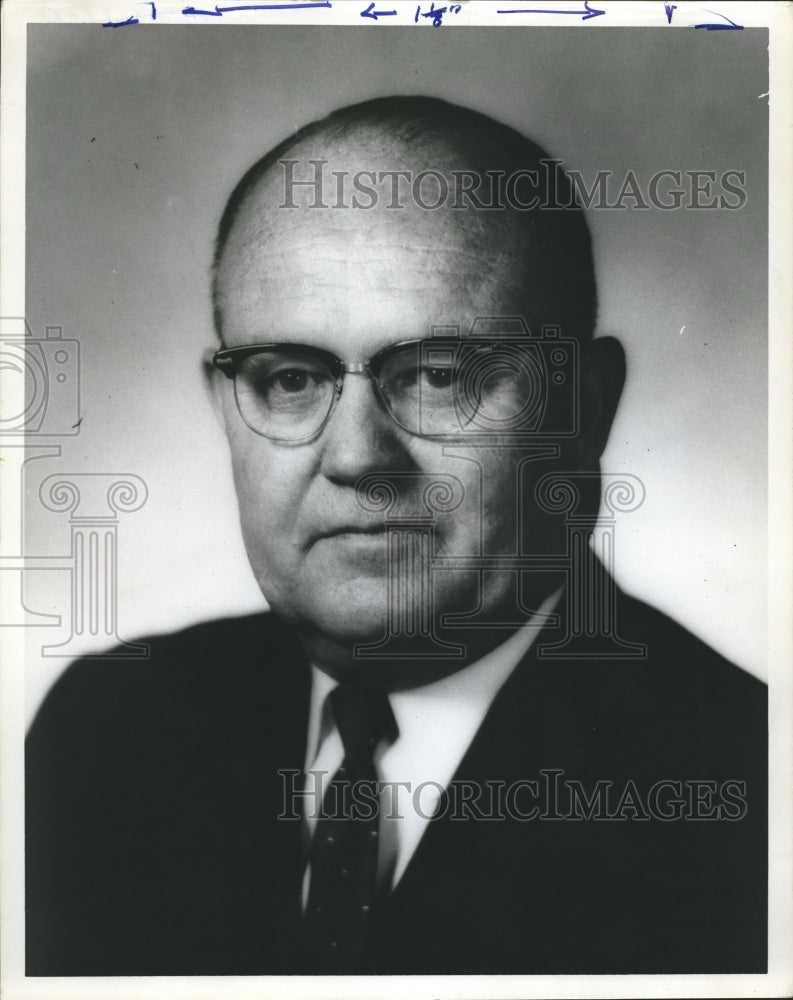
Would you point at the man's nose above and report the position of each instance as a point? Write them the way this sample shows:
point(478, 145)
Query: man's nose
point(360, 436)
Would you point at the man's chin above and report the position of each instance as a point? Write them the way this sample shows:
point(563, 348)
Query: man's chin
point(341, 615)
point(350, 626)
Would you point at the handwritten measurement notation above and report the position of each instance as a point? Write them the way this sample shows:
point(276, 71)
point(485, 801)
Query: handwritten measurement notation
point(425, 13)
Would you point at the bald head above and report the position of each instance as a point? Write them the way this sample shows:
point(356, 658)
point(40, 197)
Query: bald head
point(419, 183)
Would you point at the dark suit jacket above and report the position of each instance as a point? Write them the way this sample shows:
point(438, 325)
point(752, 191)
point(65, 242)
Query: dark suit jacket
point(154, 845)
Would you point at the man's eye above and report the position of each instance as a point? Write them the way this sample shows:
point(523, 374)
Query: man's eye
point(291, 380)
point(439, 378)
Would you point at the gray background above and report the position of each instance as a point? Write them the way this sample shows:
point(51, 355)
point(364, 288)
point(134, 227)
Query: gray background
point(119, 233)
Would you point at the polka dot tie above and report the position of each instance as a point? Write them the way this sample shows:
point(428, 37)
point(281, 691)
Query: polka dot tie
point(343, 890)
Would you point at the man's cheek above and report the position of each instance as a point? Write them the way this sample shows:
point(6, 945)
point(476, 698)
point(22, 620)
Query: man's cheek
point(257, 478)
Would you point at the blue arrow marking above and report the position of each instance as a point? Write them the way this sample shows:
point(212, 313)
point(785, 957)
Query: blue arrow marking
point(220, 11)
point(584, 14)
point(374, 14)
point(121, 24)
point(730, 26)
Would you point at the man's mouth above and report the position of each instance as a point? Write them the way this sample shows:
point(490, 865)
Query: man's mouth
point(374, 530)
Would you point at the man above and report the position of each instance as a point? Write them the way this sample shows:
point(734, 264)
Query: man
point(416, 408)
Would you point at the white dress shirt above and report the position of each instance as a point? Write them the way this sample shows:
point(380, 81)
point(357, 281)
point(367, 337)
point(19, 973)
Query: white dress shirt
point(437, 723)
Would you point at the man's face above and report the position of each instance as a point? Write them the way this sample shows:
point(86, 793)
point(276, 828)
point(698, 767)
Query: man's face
point(352, 283)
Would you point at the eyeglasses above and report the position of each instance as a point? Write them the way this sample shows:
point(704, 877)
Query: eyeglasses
point(430, 388)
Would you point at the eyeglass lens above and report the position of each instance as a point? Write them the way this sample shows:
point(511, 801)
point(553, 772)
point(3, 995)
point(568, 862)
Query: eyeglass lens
point(284, 392)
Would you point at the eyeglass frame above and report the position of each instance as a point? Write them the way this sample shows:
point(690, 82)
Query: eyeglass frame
point(228, 359)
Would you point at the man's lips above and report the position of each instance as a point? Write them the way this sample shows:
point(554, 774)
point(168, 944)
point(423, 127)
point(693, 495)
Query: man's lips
point(350, 529)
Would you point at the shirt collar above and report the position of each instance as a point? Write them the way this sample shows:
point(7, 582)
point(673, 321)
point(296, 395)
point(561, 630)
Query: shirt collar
point(436, 721)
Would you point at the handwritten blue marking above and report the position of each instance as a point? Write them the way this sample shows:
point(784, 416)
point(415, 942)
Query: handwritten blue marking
point(121, 24)
point(731, 26)
point(374, 14)
point(670, 8)
point(153, 10)
point(585, 14)
point(436, 13)
point(220, 11)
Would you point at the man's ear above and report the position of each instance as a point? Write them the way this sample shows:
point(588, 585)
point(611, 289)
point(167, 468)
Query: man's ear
point(602, 379)
point(213, 380)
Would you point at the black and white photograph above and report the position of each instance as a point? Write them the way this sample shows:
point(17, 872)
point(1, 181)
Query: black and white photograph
point(396, 551)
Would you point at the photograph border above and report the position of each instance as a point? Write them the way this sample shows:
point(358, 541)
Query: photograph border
point(778, 17)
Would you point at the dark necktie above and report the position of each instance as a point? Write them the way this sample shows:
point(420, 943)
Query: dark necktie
point(343, 890)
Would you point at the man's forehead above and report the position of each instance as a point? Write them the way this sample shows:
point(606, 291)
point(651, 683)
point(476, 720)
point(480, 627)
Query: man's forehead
point(412, 239)
point(329, 271)
point(392, 291)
